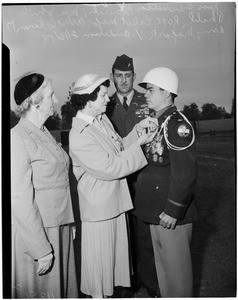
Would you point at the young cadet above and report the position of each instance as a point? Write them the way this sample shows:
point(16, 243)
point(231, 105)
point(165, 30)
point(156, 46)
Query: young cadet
point(165, 187)
point(126, 108)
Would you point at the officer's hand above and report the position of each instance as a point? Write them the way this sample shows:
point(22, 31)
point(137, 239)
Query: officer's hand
point(146, 138)
point(167, 221)
point(147, 125)
point(45, 263)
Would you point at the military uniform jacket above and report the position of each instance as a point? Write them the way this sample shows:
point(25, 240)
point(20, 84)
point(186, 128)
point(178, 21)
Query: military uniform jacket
point(124, 120)
point(167, 183)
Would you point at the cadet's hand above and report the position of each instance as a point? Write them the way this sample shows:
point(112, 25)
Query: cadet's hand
point(167, 221)
point(146, 138)
point(45, 263)
point(146, 125)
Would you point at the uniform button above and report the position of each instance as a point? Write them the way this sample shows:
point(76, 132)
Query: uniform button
point(157, 187)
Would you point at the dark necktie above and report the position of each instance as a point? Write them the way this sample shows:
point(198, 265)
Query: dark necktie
point(125, 105)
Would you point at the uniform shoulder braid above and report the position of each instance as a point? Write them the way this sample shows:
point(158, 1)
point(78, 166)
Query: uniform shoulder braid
point(178, 131)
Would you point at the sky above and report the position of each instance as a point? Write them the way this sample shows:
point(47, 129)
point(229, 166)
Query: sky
point(66, 41)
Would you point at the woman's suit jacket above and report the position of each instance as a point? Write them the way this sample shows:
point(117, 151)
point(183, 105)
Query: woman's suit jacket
point(40, 186)
point(101, 168)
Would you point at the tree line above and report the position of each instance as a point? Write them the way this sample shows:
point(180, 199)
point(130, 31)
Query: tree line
point(208, 111)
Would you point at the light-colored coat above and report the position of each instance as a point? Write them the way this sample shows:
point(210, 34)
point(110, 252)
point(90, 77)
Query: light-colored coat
point(39, 185)
point(101, 168)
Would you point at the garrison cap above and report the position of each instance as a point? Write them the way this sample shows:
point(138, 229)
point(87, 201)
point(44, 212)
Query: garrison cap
point(123, 63)
point(26, 86)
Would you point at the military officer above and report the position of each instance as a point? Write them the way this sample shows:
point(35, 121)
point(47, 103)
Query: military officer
point(165, 187)
point(126, 108)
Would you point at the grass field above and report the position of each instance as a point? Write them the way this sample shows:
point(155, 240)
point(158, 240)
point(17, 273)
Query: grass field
point(214, 237)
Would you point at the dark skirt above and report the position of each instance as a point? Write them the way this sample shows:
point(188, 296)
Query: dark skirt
point(59, 282)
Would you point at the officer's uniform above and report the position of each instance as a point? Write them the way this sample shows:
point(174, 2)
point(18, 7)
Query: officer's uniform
point(124, 120)
point(167, 185)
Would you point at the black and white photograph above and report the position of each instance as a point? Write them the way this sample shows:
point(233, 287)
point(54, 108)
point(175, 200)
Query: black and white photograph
point(119, 149)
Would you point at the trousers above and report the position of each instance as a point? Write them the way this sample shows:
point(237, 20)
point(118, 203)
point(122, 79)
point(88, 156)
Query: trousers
point(173, 260)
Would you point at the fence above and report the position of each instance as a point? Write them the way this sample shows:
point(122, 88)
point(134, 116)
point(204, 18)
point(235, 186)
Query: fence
point(213, 126)
point(202, 126)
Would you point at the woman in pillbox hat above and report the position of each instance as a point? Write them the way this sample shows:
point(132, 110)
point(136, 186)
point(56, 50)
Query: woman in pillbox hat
point(43, 262)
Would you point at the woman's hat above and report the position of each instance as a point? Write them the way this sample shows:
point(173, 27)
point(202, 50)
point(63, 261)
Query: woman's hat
point(88, 83)
point(26, 86)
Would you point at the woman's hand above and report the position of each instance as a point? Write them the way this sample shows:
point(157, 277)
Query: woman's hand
point(147, 125)
point(148, 137)
point(45, 263)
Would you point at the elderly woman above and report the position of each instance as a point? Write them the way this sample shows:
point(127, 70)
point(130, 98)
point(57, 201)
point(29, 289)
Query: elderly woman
point(101, 161)
point(43, 264)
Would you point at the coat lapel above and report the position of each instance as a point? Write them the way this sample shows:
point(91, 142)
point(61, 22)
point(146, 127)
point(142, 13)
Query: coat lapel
point(34, 130)
point(110, 137)
point(119, 107)
point(131, 109)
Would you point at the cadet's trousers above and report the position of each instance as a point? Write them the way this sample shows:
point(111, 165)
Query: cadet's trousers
point(173, 260)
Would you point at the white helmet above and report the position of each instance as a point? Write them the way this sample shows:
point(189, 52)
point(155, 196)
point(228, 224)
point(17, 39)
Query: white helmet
point(164, 78)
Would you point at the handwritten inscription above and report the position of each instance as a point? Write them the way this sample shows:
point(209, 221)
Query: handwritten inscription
point(143, 21)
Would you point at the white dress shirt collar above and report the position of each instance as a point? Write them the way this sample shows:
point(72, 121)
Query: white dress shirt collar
point(129, 97)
